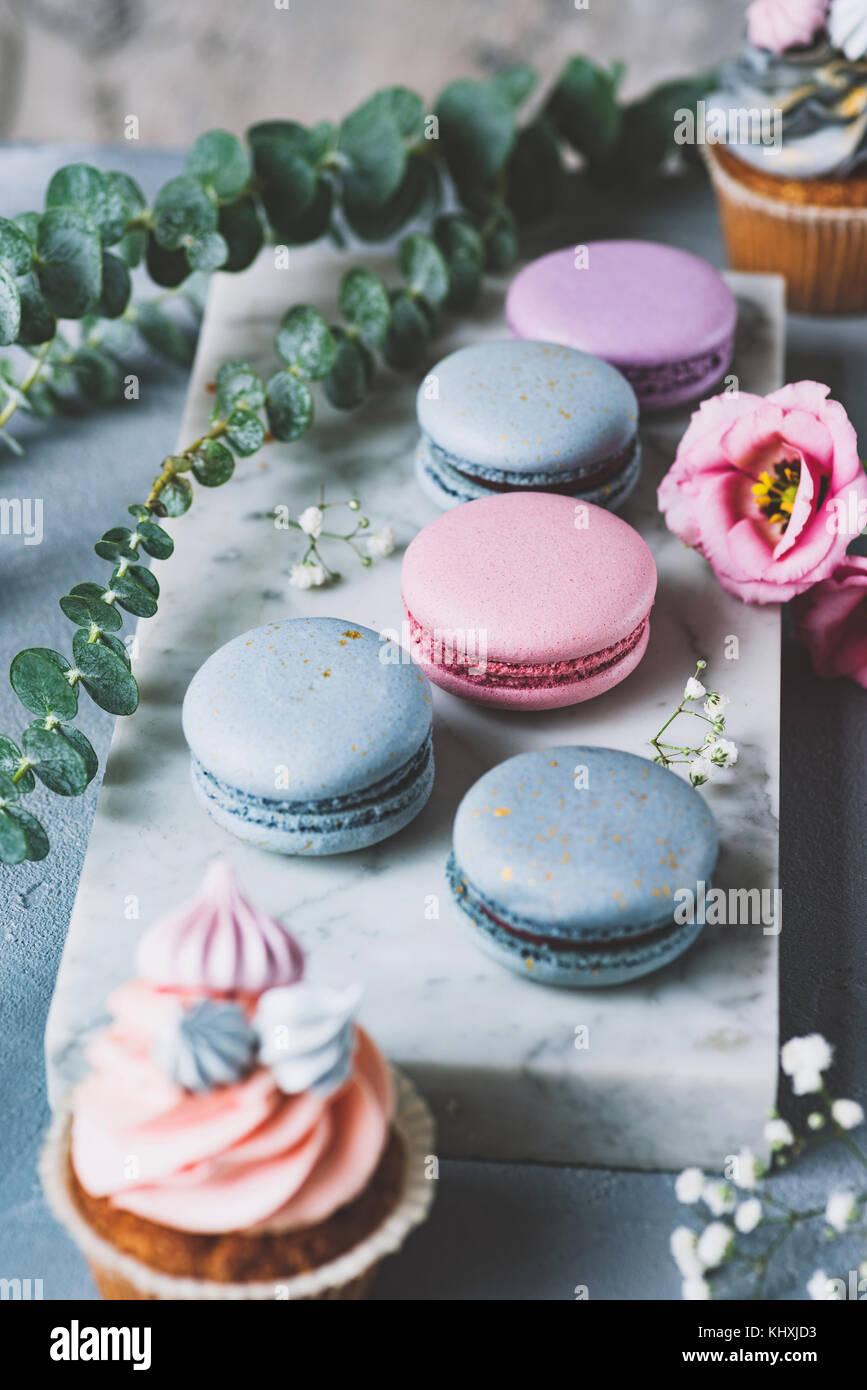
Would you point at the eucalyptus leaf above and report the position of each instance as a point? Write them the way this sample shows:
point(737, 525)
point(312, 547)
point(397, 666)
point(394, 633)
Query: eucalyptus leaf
point(372, 144)
point(515, 82)
point(132, 247)
point(310, 142)
point(208, 252)
point(535, 173)
point(418, 192)
point(477, 130)
point(98, 374)
point(10, 762)
point(166, 268)
point(424, 268)
point(286, 176)
point(409, 333)
point(82, 745)
point(214, 463)
point(500, 236)
point(107, 680)
point(134, 201)
point(298, 229)
point(347, 383)
point(219, 160)
point(245, 432)
point(404, 107)
point(13, 838)
point(9, 790)
point(38, 324)
point(239, 385)
point(289, 406)
point(175, 498)
point(16, 251)
point(154, 539)
point(35, 838)
point(114, 644)
point(241, 228)
point(304, 341)
point(114, 545)
point(464, 251)
point(585, 109)
point(85, 188)
point(38, 677)
point(10, 308)
point(364, 303)
point(116, 287)
point(69, 261)
point(86, 609)
point(56, 760)
point(162, 333)
point(182, 212)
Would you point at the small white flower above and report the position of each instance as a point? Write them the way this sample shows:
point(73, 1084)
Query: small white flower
point(748, 1215)
point(682, 1243)
point(307, 576)
point(689, 1185)
point(380, 543)
point(693, 690)
point(821, 1288)
point(715, 704)
point(779, 1134)
point(816, 1120)
point(695, 1290)
point(804, 1060)
point(719, 1198)
point(715, 1244)
point(748, 1170)
point(841, 1209)
point(725, 753)
point(847, 1113)
point(700, 769)
point(311, 520)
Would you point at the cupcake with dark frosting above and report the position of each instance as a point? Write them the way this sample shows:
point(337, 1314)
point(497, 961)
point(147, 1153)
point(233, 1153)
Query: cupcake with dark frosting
point(792, 185)
point(238, 1135)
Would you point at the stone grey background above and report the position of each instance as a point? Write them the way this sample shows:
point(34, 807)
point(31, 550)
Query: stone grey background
point(76, 68)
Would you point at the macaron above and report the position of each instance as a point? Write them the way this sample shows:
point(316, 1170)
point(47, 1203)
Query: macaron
point(516, 414)
point(566, 862)
point(307, 737)
point(665, 318)
point(528, 600)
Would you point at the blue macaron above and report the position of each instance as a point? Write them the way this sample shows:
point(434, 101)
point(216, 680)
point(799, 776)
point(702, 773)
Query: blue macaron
point(519, 415)
point(567, 861)
point(310, 737)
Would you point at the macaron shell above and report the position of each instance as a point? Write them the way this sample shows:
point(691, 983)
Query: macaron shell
point(528, 407)
point(518, 569)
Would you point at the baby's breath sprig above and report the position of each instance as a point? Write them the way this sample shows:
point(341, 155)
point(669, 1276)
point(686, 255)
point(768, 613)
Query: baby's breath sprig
point(714, 751)
point(311, 571)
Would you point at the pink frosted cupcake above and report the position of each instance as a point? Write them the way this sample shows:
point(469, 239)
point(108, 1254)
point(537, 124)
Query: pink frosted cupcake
point(238, 1136)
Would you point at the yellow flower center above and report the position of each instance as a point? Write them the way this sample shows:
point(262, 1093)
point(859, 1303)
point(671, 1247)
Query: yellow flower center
point(775, 492)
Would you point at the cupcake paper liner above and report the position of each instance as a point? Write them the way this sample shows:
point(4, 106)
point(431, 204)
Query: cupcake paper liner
point(821, 250)
point(120, 1276)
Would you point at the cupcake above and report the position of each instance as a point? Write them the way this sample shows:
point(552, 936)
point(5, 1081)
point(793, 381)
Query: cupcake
point(792, 188)
point(238, 1136)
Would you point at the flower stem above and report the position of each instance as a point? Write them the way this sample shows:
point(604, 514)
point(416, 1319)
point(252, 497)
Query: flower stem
point(26, 382)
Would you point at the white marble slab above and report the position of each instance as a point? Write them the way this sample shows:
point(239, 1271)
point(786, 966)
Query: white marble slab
point(681, 1066)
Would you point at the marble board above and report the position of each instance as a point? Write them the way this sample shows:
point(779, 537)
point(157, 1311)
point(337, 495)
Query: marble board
point(679, 1068)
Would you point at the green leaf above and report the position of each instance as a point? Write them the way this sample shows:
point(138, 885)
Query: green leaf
point(515, 83)
point(86, 608)
point(213, 462)
point(38, 324)
point(134, 201)
point(38, 677)
point(13, 839)
point(175, 498)
point(364, 303)
point(85, 188)
point(10, 308)
point(408, 334)
point(56, 760)
point(464, 252)
point(477, 131)
point(404, 107)
point(160, 332)
point(154, 539)
point(99, 376)
point(500, 236)
point(116, 287)
point(312, 143)
point(239, 385)
point(287, 178)
point(133, 592)
point(347, 382)
point(241, 228)
point(9, 790)
point(114, 644)
point(29, 224)
point(584, 108)
point(107, 680)
point(69, 262)
point(419, 191)
point(183, 212)
point(245, 432)
point(304, 341)
point(289, 406)
point(298, 229)
point(207, 253)
point(219, 160)
point(372, 144)
point(424, 268)
point(35, 839)
point(535, 173)
point(10, 762)
point(16, 252)
point(114, 545)
point(83, 745)
point(166, 268)
point(132, 248)
point(647, 128)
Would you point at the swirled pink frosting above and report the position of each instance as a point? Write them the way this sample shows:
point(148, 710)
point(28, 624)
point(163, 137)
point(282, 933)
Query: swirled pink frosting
point(781, 24)
point(219, 943)
point(243, 1157)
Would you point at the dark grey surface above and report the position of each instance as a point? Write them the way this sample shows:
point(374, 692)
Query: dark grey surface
point(498, 1231)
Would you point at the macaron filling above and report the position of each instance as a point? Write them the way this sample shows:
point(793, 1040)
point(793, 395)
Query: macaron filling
point(671, 378)
point(566, 480)
point(379, 801)
point(494, 671)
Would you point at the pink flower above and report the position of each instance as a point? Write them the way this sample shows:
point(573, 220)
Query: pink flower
point(831, 621)
point(782, 24)
point(769, 489)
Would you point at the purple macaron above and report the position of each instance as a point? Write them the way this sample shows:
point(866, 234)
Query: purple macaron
point(665, 318)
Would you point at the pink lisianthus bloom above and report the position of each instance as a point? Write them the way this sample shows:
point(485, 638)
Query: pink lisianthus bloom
point(769, 489)
point(781, 24)
point(831, 621)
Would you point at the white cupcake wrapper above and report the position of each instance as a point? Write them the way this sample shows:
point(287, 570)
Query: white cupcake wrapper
point(738, 192)
point(413, 1123)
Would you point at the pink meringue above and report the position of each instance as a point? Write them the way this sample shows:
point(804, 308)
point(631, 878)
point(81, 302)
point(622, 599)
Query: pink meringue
point(781, 24)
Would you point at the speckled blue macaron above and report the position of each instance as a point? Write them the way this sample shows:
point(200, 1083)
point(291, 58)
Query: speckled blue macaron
point(567, 860)
point(304, 740)
point(520, 415)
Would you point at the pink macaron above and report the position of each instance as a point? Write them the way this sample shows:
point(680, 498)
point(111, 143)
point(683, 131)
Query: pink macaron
point(528, 600)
